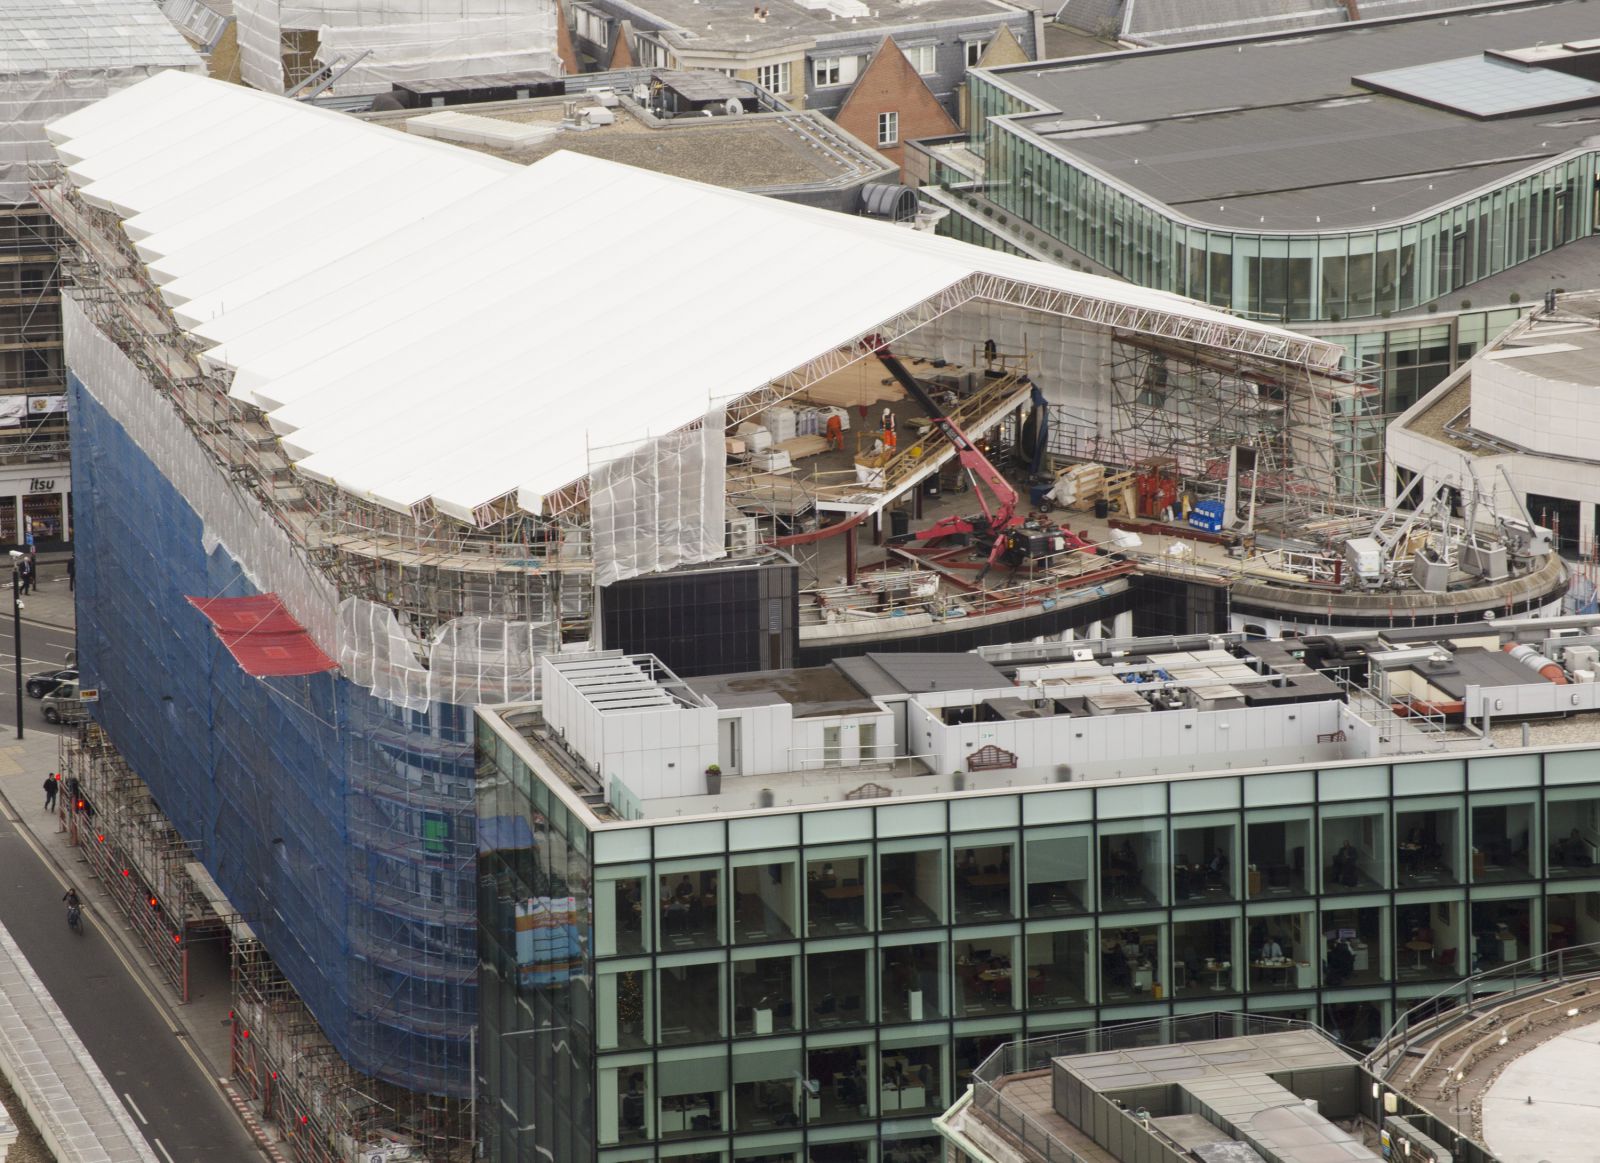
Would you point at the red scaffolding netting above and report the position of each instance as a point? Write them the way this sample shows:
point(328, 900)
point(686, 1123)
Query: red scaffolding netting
point(262, 636)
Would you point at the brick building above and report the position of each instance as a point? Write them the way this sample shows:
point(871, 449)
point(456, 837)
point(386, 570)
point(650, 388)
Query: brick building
point(891, 104)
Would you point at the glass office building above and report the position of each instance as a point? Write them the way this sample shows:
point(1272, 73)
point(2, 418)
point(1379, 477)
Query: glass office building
point(816, 983)
point(1298, 276)
point(1300, 179)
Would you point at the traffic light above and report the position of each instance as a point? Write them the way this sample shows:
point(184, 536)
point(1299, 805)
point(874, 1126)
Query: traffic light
point(152, 901)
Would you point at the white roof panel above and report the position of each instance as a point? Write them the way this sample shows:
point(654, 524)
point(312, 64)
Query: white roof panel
point(430, 322)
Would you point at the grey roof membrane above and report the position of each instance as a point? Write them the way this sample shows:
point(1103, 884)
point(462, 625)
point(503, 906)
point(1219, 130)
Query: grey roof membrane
point(1230, 1079)
point(1222, 1058)
point(731, 25)
point(1274, 134)
point(940, 672)
point(1154, 17)
point(816, 690)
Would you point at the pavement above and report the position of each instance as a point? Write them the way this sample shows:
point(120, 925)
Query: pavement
point(50, 603)
point(163, 1061)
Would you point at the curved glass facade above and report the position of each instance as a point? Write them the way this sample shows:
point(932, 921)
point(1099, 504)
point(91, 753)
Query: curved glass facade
point(1296, 277)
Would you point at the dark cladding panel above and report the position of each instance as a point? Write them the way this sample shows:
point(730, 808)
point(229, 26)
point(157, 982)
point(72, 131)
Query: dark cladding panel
point(705, 621)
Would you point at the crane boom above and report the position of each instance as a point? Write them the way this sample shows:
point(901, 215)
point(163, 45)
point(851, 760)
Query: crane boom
point(996, 519)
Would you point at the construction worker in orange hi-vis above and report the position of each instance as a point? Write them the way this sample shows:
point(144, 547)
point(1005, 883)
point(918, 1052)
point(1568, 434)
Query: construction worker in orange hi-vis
point(835, 433)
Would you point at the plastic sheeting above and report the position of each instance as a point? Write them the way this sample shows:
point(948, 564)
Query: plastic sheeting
point(259, 32)
point(659, 505)
point(229, 516)
point(57, 57)
point(407, 39)
point(456, 48)
point(469, 661)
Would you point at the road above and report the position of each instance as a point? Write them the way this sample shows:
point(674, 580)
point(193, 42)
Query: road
point(164, 1086)
point(43, 648)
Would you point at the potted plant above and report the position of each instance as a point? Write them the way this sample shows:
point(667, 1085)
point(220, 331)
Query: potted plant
point(713, 780)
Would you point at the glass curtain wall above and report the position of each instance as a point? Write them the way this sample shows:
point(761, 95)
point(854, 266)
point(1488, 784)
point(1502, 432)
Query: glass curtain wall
point(778, 1015)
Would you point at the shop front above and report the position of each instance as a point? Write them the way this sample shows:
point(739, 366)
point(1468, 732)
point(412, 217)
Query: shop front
point(36, 506)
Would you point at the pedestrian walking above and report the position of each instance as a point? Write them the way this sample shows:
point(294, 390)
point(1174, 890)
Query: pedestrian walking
point(52, 787)
point(25, 572)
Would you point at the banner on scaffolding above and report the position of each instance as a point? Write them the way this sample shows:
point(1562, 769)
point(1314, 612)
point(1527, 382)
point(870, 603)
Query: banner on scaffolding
point(263, 636)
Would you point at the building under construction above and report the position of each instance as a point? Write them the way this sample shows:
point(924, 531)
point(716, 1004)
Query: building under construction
point(54, 58)
point(368, 424)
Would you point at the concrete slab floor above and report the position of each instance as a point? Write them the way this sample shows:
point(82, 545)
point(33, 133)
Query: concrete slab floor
point(1562, 1123)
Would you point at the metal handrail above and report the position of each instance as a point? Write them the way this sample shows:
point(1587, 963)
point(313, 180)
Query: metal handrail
point(1428, 1016)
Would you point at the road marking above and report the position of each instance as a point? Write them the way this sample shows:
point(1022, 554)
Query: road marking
point(134, 1107)
point(163, 1151)
point(134, 975)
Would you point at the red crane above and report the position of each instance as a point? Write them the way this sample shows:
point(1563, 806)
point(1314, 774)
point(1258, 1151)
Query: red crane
point(995, 519)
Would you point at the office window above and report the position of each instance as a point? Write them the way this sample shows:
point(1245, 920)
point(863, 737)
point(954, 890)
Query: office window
point(975, 51)
point(774, 78)
point(826, 71)
point(888, 128)
point(911, 981)
point(923, 57)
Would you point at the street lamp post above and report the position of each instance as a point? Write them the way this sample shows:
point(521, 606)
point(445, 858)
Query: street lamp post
point(16, 628)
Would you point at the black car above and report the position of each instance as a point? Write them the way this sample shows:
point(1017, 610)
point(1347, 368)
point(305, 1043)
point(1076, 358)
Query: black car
point(40, 685)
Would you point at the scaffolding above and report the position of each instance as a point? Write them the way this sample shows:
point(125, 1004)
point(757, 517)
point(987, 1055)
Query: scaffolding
point(141, 860)
point(325, 1112)
point(53, 59)
point(1303, 426)
point(346, 808)
point(31, 361)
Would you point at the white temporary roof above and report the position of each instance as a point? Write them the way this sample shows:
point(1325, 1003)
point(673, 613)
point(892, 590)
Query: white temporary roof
point(424, 322)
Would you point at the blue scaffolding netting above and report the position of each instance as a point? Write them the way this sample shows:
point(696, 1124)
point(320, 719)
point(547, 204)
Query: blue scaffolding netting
point(341, 825)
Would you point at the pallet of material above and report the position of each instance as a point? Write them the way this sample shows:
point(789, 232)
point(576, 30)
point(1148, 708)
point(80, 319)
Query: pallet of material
point(800, 447)
point(1079, 486)
point(1121, 491)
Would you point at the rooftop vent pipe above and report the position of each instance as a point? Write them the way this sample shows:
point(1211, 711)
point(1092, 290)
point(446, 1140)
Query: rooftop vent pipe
point(1533, 660)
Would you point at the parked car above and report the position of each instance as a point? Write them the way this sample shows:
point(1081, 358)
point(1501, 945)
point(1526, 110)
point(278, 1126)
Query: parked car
point(41, 684)
point(65, 704)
